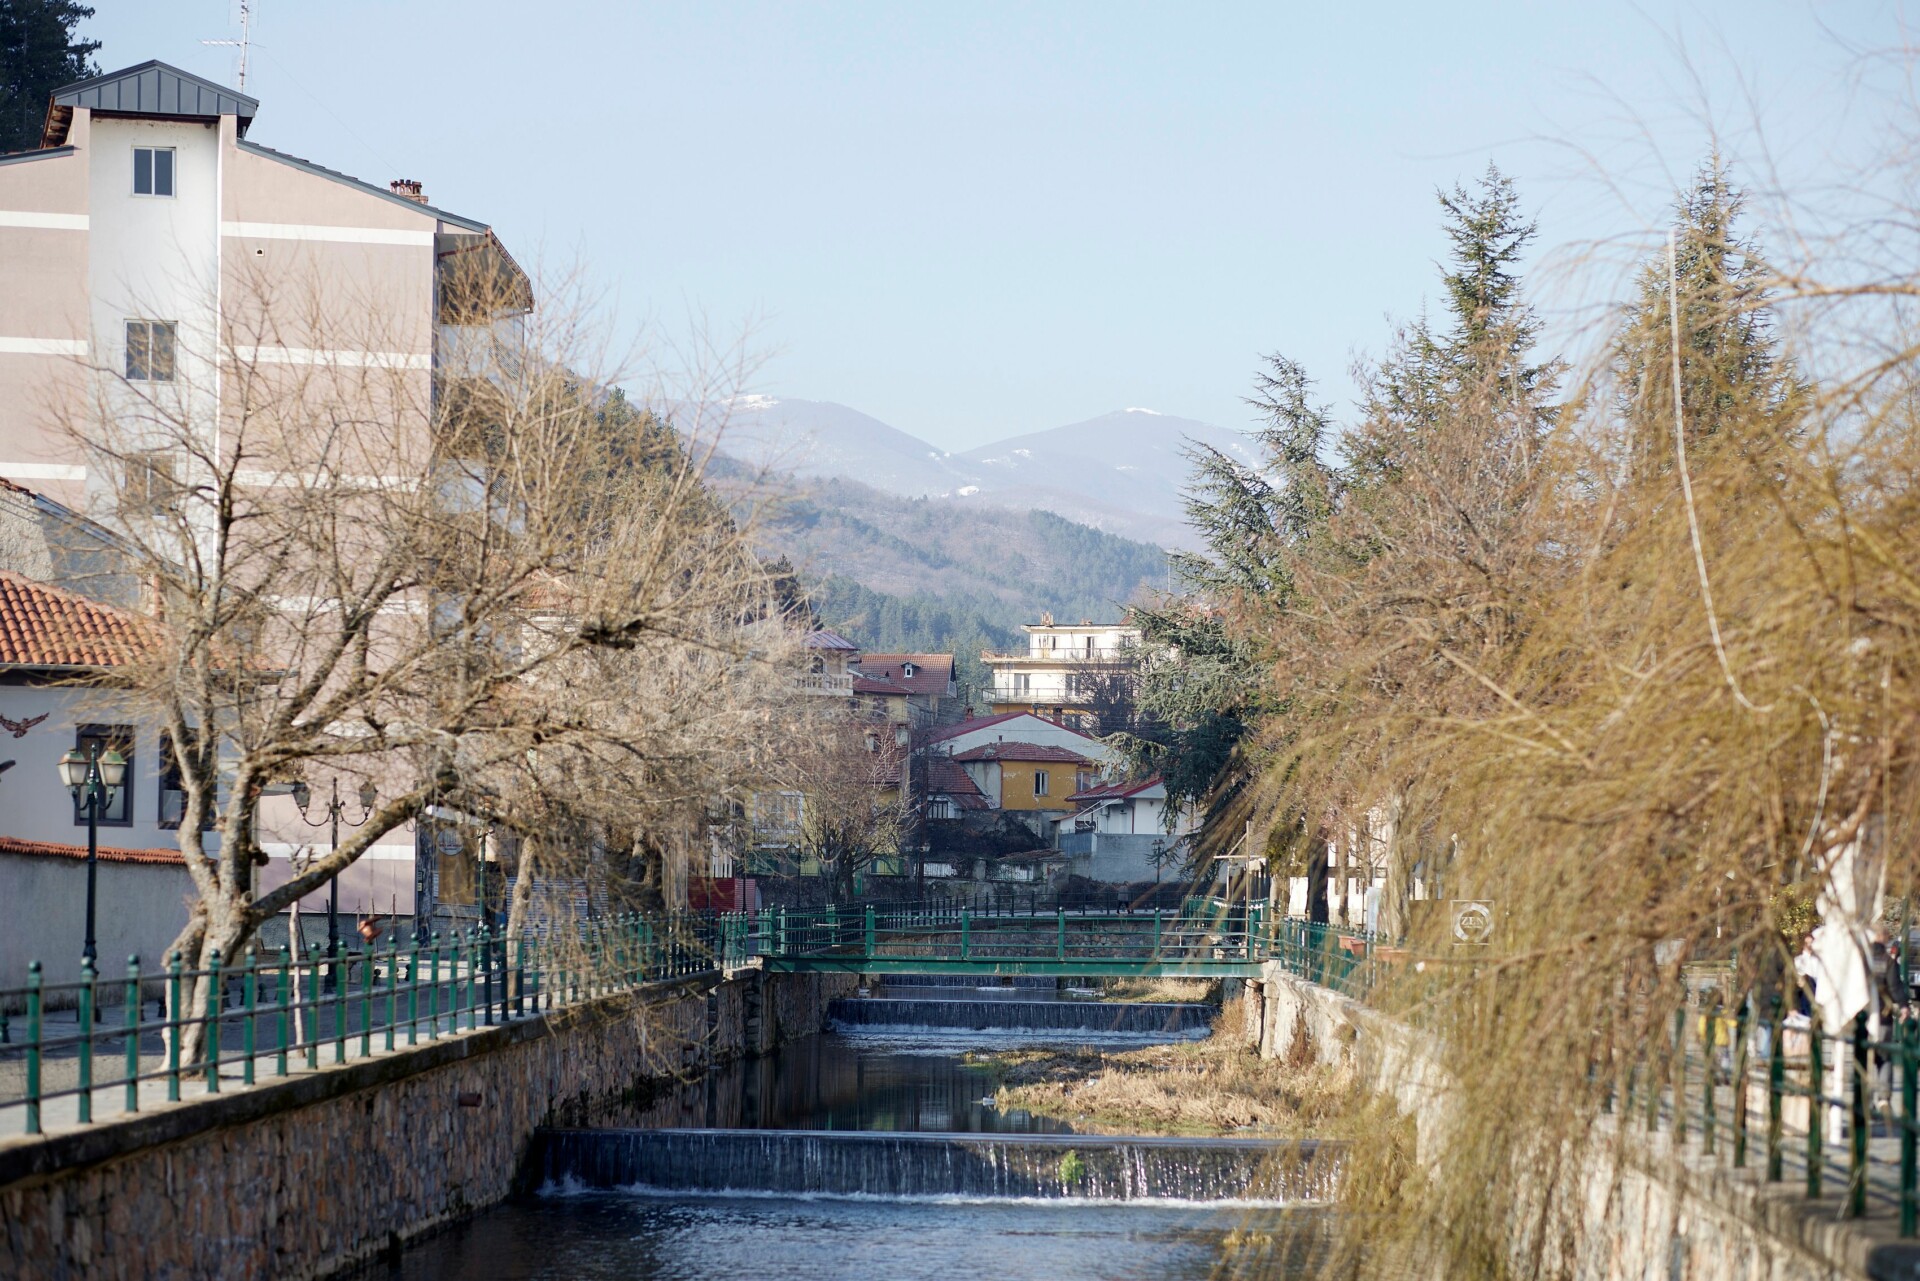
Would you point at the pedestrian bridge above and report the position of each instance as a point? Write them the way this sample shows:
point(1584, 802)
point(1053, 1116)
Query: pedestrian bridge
point(1203, 939)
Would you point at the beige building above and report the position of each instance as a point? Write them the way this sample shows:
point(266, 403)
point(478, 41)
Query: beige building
point(148, 236)
point(155, 256)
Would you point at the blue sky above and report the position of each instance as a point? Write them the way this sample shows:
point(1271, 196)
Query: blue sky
point(973, 220)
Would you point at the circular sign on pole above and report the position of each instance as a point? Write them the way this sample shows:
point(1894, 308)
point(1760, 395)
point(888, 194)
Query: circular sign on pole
point(1472, 920)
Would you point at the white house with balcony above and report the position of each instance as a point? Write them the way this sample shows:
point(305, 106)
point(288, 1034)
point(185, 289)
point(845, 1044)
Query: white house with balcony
point(1066, 671)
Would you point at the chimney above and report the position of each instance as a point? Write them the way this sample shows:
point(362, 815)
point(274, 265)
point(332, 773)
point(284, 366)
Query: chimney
point(408, 189)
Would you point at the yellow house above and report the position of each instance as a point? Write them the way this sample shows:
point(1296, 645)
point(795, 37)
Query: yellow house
point(1031, 777)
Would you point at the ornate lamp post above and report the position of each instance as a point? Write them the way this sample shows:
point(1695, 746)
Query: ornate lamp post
point(336, 807)
point(92, 779)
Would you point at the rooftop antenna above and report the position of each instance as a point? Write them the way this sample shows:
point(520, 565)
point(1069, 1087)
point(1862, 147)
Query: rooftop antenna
point(246, 37)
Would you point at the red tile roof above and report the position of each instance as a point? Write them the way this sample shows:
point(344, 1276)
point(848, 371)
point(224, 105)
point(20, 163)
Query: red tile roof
point(945, 777)
point(51, 849)
point(1020, 752)
point(45, 626)
point(942, 733)
point(932, 673)
point(1115, 791)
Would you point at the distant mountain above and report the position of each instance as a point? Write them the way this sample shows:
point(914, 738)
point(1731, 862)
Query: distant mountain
point(1122, 472)
point(938, 574)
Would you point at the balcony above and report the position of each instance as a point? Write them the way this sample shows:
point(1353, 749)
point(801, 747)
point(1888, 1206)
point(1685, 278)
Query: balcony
point(832, 684)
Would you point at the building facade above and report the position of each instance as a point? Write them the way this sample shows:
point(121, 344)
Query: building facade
point(1068, 672)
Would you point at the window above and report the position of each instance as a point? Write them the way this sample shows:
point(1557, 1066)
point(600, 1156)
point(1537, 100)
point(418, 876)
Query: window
point(118, 809)
point(1022, 682)
point(173, 792)
point(940, 807)
point(152, 486)
point(776, 811)
point(906, 669)
point(150, 351)
point(153, 171)
point(1039, 782)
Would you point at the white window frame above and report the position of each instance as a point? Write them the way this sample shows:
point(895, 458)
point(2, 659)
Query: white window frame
point(173, 173)
point(1041, 783)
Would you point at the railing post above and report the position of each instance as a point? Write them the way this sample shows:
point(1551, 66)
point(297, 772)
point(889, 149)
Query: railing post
point(133, 1033)
point(393, 988)
point(1679, 1073)
point(33, 1047)
point(1060, 919)
point(433, 987)
point(1706, 1084)
point(1908, 1040)
point(1156, 933)
point(966, 933)
point(1816, 1108)
point(210, 1021)
point(250, 997)
point(84, 999)
point(173, 1028)
point(1857, 1123)
point(1776, 1087)
point(282, 998)
point(1741, 1034)
point(866, 944)
point(310, 1030)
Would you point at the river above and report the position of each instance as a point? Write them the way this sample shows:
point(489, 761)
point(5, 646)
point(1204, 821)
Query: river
point(826, 1118)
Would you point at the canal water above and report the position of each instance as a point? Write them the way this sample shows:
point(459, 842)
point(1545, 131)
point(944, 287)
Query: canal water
point(770, 1172)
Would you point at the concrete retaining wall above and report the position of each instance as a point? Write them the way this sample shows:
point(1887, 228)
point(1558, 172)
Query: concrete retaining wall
point(1645, 1212)
point(304, 1177)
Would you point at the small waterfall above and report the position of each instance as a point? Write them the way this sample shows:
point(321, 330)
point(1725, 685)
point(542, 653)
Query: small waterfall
point(998, 1015)
point(974, 982)
point(850, 1163)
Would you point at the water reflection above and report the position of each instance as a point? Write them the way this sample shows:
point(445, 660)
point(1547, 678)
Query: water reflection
point(603, 1236)
point(836, 1082)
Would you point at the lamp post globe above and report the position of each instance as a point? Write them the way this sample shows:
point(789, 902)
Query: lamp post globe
point(92, 778)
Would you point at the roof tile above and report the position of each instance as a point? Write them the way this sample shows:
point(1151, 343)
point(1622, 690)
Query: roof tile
point(46, 626)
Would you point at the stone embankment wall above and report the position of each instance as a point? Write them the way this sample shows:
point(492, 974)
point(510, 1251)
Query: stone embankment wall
point(307, 1176)
point(1646, 1213)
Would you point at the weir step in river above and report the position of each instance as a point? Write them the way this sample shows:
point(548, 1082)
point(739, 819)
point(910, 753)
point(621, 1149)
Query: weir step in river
point(959, 1013)
point(841, 1163)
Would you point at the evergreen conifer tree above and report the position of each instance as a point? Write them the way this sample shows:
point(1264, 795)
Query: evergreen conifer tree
point(38, 54)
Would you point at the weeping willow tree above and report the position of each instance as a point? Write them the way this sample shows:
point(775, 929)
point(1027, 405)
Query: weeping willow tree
point(1635, 654)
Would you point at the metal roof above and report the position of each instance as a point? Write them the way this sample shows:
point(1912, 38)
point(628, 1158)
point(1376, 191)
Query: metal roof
point(153, 88)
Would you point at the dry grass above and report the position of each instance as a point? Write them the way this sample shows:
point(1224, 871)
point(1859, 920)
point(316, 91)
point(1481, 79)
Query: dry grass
point(1194, 1087)
point(1160, 990)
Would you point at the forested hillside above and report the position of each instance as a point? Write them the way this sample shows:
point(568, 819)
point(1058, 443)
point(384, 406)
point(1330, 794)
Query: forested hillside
point(934, 574)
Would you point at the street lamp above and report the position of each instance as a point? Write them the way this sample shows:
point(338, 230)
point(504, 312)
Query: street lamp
point(96, 776)
point(336, 807)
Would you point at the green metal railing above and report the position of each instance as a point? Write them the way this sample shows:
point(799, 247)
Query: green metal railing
point(83, 1044)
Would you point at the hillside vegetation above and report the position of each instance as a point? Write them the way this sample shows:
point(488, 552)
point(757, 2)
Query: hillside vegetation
point(930, 574)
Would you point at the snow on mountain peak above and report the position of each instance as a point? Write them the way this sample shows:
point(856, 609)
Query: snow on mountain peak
point(1135, 409)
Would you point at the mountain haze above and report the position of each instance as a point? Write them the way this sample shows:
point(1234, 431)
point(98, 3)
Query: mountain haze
point(1122, 472)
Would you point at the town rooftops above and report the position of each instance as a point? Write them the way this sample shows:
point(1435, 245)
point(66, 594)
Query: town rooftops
point(153, 88)
point(904, 674)
point(1039, 752)
point(45, 626)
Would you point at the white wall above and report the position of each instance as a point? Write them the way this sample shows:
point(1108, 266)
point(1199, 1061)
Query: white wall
point(139, 910)
point(157, 258)
point(35, 806)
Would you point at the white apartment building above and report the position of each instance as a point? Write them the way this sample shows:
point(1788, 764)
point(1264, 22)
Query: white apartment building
point(1064, 667)
point(150, 238)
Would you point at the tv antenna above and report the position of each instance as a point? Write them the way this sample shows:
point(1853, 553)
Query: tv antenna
point(246, 38)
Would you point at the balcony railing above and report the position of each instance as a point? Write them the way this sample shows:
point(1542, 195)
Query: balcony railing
point(839, 684)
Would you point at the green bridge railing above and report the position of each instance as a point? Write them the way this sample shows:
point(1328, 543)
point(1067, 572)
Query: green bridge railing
point(1740, 1082)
